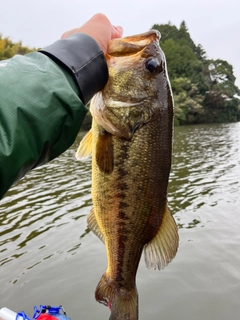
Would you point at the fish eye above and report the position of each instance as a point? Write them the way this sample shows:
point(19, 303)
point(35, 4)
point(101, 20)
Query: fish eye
point(152, 65)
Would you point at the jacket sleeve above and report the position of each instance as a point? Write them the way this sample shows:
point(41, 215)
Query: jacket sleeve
point(42, 98)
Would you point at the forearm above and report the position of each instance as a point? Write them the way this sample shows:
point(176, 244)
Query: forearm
point(40, 108)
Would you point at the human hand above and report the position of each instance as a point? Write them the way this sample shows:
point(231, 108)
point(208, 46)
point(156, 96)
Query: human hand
point(100, 29)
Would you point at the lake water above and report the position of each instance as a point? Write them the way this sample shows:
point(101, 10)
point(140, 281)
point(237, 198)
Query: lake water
point(48, 256)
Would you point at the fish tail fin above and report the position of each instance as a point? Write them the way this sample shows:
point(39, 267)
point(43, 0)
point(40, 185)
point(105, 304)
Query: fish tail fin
point(123, 303)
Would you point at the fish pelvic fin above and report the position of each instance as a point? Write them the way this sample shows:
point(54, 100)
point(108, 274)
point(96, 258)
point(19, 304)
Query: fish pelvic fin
point(104, 152)
point(122, 303)
point(93, 225)
point(163, 247)
point(84, 150)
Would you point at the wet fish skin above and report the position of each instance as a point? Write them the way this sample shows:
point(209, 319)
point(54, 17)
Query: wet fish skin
point(131, 139)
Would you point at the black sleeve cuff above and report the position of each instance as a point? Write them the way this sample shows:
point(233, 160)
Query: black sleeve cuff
point(81, 55)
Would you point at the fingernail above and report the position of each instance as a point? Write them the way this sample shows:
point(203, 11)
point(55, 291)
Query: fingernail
point(119, 30)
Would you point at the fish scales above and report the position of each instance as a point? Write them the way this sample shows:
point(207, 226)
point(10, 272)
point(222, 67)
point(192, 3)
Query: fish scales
point(133, 197)
point(131, 144)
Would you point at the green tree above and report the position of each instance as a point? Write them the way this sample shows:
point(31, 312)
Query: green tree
point(221, 78)
point(188, 102)
point(8, 48)
point(180, 58)
point(222, 97)
point(204, 90)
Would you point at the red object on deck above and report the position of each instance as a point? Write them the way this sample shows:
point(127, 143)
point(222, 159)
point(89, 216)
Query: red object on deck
point(46, 316)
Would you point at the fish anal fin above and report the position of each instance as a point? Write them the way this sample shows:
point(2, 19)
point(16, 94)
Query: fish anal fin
point(163, 247)
point(104, 152)
point(84, 150)
point(93, 225)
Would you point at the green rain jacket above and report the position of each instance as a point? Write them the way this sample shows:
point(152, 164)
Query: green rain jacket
point(42, 98)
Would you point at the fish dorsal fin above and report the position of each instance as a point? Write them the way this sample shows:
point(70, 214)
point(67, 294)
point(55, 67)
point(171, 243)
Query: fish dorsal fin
point(93, 225)
point(163, 247)
point(104, 152)
point(84, 150)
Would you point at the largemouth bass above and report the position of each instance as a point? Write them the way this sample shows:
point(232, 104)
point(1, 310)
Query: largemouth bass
point(131, 145)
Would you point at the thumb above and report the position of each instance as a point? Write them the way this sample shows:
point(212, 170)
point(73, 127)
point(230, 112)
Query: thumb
point(117, 32)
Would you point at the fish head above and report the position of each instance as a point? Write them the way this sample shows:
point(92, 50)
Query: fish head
point(138, 88)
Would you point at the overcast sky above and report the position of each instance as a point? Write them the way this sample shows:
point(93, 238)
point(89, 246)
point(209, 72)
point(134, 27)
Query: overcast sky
point(215, 24)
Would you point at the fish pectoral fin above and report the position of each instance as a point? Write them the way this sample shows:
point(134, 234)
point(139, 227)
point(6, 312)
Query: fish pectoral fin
point(104, 152)
point(84, 150)
point(93, 225)
point(163, 247)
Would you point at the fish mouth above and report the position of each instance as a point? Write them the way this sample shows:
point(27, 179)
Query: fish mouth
point(129, 100)
point(109, 305)
point(128, 50)
point(133, 44)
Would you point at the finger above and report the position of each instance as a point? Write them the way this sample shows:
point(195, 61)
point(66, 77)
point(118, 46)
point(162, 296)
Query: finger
point(68, 33)
point(117, 32)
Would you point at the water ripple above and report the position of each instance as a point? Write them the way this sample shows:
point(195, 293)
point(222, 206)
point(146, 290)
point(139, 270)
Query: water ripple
point(205, 168)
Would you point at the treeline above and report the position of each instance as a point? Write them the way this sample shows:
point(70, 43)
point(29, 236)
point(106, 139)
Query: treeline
point(204, 89)
point(8, 48)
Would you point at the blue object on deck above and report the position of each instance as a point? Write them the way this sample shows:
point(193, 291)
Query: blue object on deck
point(43, 313)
